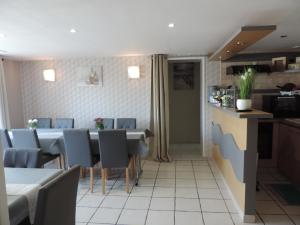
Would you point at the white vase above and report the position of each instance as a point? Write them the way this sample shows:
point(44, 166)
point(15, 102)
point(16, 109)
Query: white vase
point(244, 104)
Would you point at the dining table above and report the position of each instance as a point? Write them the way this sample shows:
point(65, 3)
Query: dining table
point(52, 142)
point(22, 186)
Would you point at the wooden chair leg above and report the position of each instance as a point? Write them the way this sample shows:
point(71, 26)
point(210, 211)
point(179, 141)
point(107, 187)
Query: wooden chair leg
point(133, 166)
point(58, 162)
point(103, 180)
point(62, 161)
point(91, 179)
point(81, 172)
point(127, 180)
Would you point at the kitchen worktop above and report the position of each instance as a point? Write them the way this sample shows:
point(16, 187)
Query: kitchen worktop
point(295, 122)
point(254, 114)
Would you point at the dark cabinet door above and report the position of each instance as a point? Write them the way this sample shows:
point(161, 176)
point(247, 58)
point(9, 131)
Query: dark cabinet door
point(265, 140)
point(289, 152)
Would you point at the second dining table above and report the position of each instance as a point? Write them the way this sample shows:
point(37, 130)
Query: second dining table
point(52, 142)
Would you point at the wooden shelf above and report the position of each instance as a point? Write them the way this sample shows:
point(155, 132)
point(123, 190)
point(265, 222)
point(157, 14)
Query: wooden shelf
point(286, 71)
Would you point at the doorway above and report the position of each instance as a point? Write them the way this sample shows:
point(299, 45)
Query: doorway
point(185, 97)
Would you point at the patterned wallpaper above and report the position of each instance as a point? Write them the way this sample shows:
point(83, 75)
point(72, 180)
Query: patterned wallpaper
point(118, 97)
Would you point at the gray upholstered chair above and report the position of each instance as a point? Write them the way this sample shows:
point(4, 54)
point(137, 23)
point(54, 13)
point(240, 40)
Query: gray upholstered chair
point(23, 158)
point(79, 151)
point(114, 153)
point(56, 203)
point(64, 123)
point(27, 138)
point(44, 123)
point(5, 139)
point(108, 123)
point(126, 123)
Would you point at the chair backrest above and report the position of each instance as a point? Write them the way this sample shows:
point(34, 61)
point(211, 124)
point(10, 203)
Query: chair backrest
point(23, 158)
point(126, 123)
point(44, 123)
point(64, 123)
point(25, 138)
point(108, 123)
point(113, 148)
point(78, 147)
point(56, 204)
point(5, 139)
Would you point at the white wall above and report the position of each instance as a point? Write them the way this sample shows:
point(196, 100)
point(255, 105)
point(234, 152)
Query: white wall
point(212, 77)
point(13, 88)
point(119, 96)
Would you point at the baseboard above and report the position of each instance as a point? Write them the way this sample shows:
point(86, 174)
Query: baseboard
point(245, 218)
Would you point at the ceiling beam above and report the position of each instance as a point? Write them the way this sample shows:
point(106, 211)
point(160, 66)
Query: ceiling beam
point(246, 36)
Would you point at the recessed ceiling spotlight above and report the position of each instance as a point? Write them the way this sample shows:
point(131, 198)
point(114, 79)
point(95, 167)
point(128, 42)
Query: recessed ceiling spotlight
point(296, 46)
point(284, 36)
point(227, 51)
point(171, 25)
point(2, 35)
point(73, 30)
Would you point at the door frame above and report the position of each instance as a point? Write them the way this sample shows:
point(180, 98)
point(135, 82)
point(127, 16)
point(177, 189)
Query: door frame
point(203, 93)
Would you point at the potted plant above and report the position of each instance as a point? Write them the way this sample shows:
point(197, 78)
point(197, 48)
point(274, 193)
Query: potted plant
point(246, 81)
point(99, 123)
point(32, 123)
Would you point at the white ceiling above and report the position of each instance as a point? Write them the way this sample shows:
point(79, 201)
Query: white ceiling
point(38, 29)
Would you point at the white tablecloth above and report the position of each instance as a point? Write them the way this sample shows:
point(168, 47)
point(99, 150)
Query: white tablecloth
point(30, 191)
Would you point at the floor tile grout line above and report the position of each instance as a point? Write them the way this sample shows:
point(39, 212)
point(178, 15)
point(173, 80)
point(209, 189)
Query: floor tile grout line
point(202, 216)
point(276, 202)
point(232, 220)
point(105, 195)
point(152, 193)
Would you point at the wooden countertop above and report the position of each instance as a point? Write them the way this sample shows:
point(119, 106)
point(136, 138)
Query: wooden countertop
point(254, 114)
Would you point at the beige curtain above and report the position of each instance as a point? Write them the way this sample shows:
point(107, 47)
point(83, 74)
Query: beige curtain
point(159, 123)
point(4, 116)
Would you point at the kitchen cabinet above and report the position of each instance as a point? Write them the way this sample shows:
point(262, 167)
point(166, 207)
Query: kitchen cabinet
point(267, 143)
point(289, 152)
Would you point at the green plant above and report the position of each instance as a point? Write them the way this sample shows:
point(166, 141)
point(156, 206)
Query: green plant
point(99, 123)
point(246, 83)
point(32, 123)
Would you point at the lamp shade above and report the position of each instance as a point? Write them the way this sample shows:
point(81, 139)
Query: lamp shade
point(49, 75)
point(133, 72)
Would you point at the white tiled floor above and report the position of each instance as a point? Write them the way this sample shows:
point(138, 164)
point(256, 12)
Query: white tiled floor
point(269, 207)
point(187, 191)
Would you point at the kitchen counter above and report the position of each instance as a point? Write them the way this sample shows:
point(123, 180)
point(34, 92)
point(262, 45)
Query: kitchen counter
point(256, 114)
point(294, 122)
point(234, 151)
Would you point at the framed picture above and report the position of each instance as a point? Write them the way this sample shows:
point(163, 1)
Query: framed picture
point(183, 74)
point(90, 76)
point(279, 64)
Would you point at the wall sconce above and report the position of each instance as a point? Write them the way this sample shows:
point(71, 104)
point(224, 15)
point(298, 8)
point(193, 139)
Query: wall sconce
point(133, 72)
point(49, 75)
